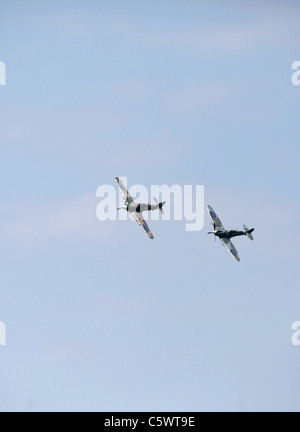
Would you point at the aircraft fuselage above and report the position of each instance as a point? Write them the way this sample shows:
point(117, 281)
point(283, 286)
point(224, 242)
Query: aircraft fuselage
point(139, 208)
point(229, 233)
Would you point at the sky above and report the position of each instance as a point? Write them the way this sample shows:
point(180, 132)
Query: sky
point(98, 317)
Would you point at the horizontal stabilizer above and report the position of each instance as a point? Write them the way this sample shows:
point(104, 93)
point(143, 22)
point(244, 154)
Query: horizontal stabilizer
point(249, 232)
point(160, 205)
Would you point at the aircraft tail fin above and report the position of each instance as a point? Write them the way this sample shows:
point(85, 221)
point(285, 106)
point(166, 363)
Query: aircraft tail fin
point(249, 232)
point(160, 205)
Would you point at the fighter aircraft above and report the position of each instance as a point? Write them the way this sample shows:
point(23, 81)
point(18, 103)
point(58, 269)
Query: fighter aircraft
point(225, 235)
point(137, 209)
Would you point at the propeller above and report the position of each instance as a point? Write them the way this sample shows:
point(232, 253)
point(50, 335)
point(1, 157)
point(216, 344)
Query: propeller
point(213, 232)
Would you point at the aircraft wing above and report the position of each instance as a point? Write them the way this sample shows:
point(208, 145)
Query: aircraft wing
point(215, 219)
point(141, 221)
point(231, 248)
point(127, 198)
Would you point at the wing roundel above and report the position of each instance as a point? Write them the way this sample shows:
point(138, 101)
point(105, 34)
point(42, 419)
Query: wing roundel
point(142, 223)
point(127, 198)
point(231, 248)
point(215, 219)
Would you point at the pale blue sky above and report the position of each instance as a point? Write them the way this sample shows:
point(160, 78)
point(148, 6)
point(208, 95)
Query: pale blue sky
point(190, 92)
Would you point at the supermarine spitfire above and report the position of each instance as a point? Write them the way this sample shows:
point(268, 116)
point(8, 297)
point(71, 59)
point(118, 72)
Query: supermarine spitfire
point(137, 209)
point(226, 235)
point(219, 231)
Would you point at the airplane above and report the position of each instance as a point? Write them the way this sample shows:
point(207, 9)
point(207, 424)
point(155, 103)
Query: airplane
point(226, 235)
point(137, 209)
